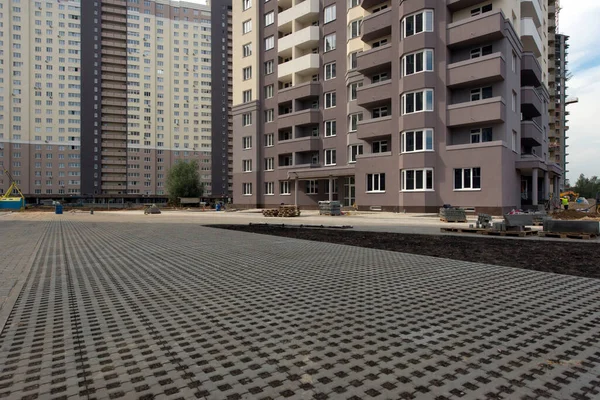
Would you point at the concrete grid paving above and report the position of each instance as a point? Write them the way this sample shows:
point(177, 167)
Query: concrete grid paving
point(115, 310)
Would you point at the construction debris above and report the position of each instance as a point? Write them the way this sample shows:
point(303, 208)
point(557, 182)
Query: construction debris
point(153, 209)
point(283, 211)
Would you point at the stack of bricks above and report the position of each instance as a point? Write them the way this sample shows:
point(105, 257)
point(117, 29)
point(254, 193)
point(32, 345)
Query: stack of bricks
point(453, 215)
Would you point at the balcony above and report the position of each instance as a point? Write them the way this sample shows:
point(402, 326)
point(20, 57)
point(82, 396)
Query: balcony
point(532, 41)
point(306, 65)
point(531, 71)
point(113, 136)
point(308, 143)
point(113, 170)
point(114, 145)
point(531, 102)
point(455, 5)
point(375, 94)
point(108, 94)
point(117, 69)
point(374, 128)
point(375, 60)
point(109, 153)
point(114, 128)
point(492, 110)
point(117, 86)
point(299, 118)
point(532, 9)
point(301, 12)
point(114, 35)
point(377, 25)
point(531, 134)
point(114, 18)
point(477, 71)
point(113, 161)
point(109, 77)
point(114, 27)
point(114, 43)
point(122, 3)
point(114, 119)
point(114, 111)
point(474, 30)
point(306, 38)
point(299, 92)
point(118, 53)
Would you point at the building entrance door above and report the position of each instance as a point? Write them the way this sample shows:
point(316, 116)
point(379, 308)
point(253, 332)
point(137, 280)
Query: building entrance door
point(349, 192)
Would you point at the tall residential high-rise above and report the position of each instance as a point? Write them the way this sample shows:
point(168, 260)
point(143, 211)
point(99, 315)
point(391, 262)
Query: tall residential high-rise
point(102, 97)
point(558, 138)
point(399, 105)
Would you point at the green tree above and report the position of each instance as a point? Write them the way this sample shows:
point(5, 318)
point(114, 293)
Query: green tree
point(587, 187)
point(183, 180)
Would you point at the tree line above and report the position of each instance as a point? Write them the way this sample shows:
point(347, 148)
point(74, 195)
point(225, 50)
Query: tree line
point(587, 187)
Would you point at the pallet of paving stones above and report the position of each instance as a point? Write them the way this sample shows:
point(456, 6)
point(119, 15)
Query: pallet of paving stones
point(271, 213)
point(283, 211)
point(452, 215)
point(492, 232)
point(562, 235)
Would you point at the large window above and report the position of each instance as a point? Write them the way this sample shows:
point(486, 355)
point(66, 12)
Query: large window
point(269, 42)
point(353, 92)
point(270, 18)
point(246, 165)
point(247, 142)
point(417, 23)
point(247, 4)
point(312, 187)
point(353, 60)
point(269, 188)
point(269, 91)
point(247, 96)
point(247, 49)
point(417, 101)
point(330, 71)
point(375, 183)
point(353, 3)
point(380, 112)
point(354, 28)
point(417, 179)
point(418, 62)
point(284, 187)
point(481, 135)
point(247, 26)
point(246, 119)
point(354, 150)
point(481, 51)
point(330, 13)
point(247, 189)
point(269, 164)
point(481, 93)
point(269, 139)
point(330, 100)
point(380, 146)
point(481, 10)
point(467, 178)
point(330, 128)
point(269, 65)
point(269, 115)
point(421, 140)
point(329, 42)
point(330, 157)
point(354, 120)
point(247, 73)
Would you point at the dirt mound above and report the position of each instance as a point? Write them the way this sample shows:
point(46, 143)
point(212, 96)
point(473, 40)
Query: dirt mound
point(574, 214)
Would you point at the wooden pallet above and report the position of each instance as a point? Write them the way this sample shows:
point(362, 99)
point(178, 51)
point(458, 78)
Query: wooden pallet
point(560, 235)
point(462, 230)
point(508, 233)
point(454, 220)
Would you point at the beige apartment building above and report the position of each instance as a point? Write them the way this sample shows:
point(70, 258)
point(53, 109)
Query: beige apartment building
point(394, 105)
point(101, 97)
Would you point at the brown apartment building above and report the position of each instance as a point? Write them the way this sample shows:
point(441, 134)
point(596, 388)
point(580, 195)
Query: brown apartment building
point(101, 97)
point(395, 105)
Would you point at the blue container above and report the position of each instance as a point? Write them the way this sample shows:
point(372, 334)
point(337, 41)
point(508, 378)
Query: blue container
point(218, 207)
point(12, 203)
point(58, 209)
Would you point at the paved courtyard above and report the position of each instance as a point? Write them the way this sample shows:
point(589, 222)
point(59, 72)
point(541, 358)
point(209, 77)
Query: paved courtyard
point(97, 308)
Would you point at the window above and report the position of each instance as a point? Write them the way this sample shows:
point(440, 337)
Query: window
point(417, 23)
point(353, 91)
point(355, 150)
point(247, 73)
point(481, 51)
point(269, 164)
point(247, 96)
point(247, 142)
point(514, 141)
point(481, 93)
point(269, 115)
point(417, 101)
point(330, 13)
point(481, 135)
point(270, 18)
point(330, 157)
point(269, 139)
point(284, 187)
point(330, 128)
point(354, 120)
point(354, 28)
point(246, 119)
point(329, 41)
point(247, 49)
point(269, 89)
point(418, 62)
point(330, 100)
point(421, 140)
point(380, 146)
point(247, 189)
point(312, 187)
point(384, 76)
point(269, 67)
point(417, 179)
point(269, 188)
point(330, 71)
point(514, 62)
point(380, 112)
point(353, 3)
point(247, 4)
point(269, 42)
point(514, 101)
point(481, 10)
point(375, 182)
point(379, 43)
point(467, 178)
point(246, 165)
point(247, 26)
point(353, 60)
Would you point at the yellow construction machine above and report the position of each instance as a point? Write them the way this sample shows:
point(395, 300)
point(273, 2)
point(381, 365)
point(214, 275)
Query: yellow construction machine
point(9, 201)
point(570, 194)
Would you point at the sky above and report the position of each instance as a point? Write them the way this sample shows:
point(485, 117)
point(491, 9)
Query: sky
point(579, 20)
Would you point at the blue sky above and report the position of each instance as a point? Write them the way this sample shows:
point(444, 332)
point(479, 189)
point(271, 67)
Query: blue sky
point(579, 20)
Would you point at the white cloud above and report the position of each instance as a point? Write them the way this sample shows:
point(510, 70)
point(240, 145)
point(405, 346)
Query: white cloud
point(578, 19)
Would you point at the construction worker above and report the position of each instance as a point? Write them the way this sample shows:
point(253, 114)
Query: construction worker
point(565, 202)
